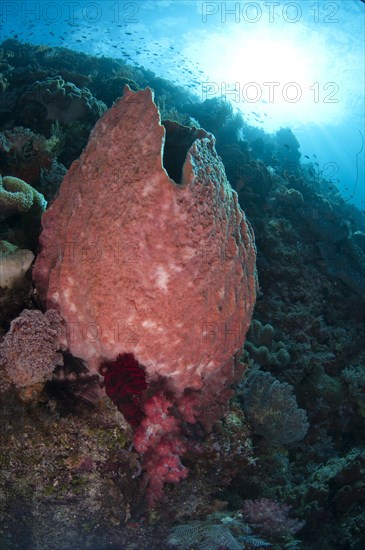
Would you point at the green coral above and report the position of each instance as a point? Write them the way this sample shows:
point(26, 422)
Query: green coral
point(263, 349)
point(17, 196)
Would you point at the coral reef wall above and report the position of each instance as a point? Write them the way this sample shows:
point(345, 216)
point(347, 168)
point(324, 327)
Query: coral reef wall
point(70, 475)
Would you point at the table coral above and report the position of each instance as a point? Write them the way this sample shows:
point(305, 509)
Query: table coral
point(163, 270)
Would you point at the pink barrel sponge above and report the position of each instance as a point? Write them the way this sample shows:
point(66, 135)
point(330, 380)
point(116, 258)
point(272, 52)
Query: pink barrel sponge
point(164, 270)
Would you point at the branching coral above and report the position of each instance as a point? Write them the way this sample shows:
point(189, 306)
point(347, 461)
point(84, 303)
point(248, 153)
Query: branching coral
point(335, 487)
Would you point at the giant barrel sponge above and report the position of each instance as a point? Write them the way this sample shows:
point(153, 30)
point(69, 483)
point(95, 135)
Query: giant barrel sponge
point(155, 277)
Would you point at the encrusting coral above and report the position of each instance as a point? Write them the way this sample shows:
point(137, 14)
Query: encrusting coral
point(171, 280)
point(62, 101)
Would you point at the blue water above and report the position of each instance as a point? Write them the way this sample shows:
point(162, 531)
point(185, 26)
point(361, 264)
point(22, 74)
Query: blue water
point(283, 64)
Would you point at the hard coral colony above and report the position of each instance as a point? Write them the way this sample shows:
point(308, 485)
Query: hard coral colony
point(159, 299)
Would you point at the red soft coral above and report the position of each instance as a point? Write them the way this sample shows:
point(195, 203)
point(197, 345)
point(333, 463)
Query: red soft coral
point(125, 381)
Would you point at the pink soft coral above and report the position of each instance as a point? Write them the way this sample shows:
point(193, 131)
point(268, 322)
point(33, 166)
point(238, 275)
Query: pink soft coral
point(31, 349)
point(158, 439)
